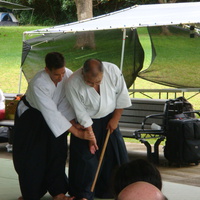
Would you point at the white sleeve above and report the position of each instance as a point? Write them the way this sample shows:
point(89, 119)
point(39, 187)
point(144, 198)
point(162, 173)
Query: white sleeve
point(53, 117)
point(2, 98)
point(75, 100)
point(65, 108)
point(122, 99)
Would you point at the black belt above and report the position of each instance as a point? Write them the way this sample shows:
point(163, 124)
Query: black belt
point(26, 102)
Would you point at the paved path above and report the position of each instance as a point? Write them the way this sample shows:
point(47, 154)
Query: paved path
point(189, 175)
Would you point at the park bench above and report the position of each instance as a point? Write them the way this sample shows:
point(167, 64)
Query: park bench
point(140, 116)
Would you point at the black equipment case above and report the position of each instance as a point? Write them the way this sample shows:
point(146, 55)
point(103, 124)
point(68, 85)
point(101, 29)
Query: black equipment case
point(183, 141)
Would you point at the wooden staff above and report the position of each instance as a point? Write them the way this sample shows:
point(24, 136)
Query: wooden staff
point(100, 160)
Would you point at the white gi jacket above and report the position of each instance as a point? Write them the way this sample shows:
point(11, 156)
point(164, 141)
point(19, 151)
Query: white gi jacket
point(2, 99)
point(50, 100)
point(88, 104)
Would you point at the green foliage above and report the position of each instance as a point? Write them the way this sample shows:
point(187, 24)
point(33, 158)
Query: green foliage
point(24, 17)
point(47, 12)
point(55, 12)
point(68, 5)
point(106, 6)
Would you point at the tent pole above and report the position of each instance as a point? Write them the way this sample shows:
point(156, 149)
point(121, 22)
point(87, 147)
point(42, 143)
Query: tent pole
point(31, 16)
point(20, 80)
point(123, 46)
point(20, 73)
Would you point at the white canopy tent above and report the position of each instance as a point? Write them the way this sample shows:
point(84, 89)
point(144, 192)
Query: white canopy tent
point(133, 17)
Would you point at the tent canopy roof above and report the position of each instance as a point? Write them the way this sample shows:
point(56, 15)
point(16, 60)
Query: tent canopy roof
point(13, 6)
point(133, 17)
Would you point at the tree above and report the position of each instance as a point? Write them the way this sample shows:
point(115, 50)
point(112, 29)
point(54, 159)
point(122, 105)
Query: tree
point(165, 1)
point(85, 11)
point(165, 30)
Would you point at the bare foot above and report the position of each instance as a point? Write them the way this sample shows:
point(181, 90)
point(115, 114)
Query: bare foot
point(62, 197)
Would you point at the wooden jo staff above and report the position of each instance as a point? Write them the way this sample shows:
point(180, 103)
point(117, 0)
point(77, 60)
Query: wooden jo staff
point(100, 160)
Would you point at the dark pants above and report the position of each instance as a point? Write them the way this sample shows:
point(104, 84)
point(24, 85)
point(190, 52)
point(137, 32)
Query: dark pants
point(83, 164)
point(39, 157)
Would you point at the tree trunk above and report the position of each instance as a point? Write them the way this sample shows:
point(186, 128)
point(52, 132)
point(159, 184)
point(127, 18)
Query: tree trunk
point(165, 30)
point(85, 11)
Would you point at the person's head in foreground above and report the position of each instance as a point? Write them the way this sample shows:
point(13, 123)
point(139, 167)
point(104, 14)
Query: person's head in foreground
point(133, 171)
point(92, 72)
point(55, 66)
point(141, 191)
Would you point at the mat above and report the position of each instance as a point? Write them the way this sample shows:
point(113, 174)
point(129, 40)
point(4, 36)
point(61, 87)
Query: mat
point(9, 186)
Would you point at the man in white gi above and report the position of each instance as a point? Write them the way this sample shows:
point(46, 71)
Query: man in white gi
point(97, 92)
point(42, 122)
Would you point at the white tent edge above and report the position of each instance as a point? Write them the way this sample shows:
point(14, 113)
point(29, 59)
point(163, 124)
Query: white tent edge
point(133, 17)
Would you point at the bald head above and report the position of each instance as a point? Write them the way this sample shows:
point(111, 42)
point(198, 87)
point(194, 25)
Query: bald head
point(92, 72)
point(93, 67)
point(141, 191)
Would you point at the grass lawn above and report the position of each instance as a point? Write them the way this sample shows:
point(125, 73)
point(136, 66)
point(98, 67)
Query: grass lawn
point(10, 57)
point(11, 51)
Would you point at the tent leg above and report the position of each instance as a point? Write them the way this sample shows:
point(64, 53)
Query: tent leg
point(20, 81)
point(31, 17)
point(123, 46)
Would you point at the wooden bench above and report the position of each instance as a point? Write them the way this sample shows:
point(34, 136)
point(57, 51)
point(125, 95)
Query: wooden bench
point(133, 117)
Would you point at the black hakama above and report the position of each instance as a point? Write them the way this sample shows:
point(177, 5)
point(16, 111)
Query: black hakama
point(39, 157)
point(83, 164)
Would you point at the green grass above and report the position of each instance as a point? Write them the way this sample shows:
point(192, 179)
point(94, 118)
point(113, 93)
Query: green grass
point(11, 51)
point(10, 57)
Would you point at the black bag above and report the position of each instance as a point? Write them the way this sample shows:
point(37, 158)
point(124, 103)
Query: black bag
point(186, 106)
point(177, 107)
point(4, 132)
point(183, 141)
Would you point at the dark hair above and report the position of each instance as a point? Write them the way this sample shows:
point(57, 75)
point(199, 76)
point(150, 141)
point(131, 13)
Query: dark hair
point(86, 65)
point(54, 60)
point(136, 170)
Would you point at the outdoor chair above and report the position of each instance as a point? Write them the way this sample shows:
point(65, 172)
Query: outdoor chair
point(172, 109)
